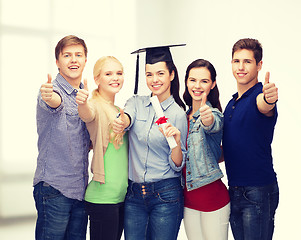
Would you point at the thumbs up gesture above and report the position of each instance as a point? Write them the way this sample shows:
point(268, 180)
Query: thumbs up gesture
point(120, 123)
point(47, 89)
point(205, 112)
point(82, 94)
point(270, 91)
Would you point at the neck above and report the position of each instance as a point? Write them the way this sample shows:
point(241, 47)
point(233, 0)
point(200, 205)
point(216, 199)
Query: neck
point(241, 88)
point(109, 98)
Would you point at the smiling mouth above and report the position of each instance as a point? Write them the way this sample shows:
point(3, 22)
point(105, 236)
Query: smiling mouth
point(241, 74)
point(197, 93)
point(114, 85)
point(73, 67)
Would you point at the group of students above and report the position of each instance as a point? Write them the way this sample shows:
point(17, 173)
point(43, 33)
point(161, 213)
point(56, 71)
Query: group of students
point(140, 184)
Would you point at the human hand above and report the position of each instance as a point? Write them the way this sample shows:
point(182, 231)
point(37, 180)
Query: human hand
point(119, 124)
point(47, 89)
point(170, 130)
point(205, 112)
point(270, 91)
point(82, 94)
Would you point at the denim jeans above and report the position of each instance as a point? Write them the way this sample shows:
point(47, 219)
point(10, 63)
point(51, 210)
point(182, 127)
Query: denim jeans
point(153, 210)
point(106, 220)
point(59, 217)
point(253, 211)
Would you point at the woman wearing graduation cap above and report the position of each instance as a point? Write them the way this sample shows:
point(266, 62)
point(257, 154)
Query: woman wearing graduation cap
point(154, 200)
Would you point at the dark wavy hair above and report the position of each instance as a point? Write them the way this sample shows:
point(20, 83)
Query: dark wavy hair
point(213, 96)
point(175, 84)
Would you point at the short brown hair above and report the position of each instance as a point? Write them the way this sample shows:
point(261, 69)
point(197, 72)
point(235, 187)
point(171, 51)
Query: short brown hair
point(67, 41)
point(249, 44)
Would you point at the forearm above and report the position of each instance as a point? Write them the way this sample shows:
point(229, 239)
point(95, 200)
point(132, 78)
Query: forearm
point(263, 107)
point(85, 112)
point(55, 101)
point(177, 155)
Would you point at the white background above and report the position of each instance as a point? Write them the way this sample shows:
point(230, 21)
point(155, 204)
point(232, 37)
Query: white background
point(29, 31)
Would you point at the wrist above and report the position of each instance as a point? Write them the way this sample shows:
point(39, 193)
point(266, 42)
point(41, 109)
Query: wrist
point(268, 102)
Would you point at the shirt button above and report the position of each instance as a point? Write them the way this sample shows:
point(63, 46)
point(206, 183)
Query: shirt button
point(233, 107)
point(191, 185)
point(189, 173)
point(193, 120)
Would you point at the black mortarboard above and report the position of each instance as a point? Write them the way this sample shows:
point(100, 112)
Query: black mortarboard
point(153, 55)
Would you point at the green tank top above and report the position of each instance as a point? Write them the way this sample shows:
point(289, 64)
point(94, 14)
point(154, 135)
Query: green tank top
point(116, 177)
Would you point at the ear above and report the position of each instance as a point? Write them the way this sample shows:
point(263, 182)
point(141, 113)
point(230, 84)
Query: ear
point(213, 85)
point(57, 62)
point(172, 75)
point(259, 66)
point(97, 80)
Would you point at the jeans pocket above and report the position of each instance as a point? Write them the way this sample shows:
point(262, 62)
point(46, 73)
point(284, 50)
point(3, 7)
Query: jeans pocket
point(171, 195)
point(50, 192)
point(254, 195)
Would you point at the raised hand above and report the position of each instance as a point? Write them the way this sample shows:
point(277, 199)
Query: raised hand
point(205, 112)
point(120, 123)
point(270, 91)
point(82, 94)
point(47, 89)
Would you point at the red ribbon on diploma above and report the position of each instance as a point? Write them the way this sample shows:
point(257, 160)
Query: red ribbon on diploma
point(161, 120)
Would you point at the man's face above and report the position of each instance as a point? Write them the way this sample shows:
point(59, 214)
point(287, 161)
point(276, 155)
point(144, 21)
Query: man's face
point(244, 67)
point(71, 62)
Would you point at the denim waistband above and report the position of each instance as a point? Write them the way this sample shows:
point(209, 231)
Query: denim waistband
point(151, 187)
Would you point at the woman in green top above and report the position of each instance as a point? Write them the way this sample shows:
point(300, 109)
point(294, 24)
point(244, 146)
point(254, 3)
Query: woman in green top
point(106, 192)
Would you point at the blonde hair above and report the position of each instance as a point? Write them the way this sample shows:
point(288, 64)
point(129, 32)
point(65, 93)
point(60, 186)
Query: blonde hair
point(108, 107)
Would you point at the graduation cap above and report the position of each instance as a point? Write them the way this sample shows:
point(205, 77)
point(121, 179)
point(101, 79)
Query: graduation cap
point(153, 55)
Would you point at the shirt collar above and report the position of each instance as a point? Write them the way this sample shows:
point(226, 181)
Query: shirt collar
point(197, 113)
point(65, 85)
point(165, 104)
point(249, 91)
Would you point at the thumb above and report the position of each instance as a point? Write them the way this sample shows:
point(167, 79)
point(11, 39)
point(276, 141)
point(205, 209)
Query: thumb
point(204, 99)
point(121, 114)
point(86, 84)
point(267, 78)
point(49, 78)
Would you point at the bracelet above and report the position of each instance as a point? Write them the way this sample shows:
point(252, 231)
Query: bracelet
point(268, 102)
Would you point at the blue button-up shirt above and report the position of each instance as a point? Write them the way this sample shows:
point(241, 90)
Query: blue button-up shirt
point(149, 153)
point(63, 143)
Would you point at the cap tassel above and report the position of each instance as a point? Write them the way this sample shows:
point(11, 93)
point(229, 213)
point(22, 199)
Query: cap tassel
point(137, 75)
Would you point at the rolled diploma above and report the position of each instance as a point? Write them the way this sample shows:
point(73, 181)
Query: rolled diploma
point(159, 112)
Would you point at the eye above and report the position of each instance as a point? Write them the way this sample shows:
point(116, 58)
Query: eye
point(235, 61)
point(120, 73)
point(66, 55)
point(79, 55)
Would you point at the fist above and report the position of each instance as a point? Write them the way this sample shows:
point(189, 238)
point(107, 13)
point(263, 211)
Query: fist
point(47, 89)
point(270, 91)
point(205, 112)
point(82, 94)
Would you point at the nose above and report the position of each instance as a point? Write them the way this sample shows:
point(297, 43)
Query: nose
point(198, 84)
point(241, 65)
point(73, 58)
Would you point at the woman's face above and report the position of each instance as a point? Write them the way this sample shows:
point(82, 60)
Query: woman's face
point(110, 79)
point(158, 80)
point(199, 82)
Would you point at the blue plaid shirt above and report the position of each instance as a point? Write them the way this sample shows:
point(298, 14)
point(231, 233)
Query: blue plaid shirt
point(63, 143)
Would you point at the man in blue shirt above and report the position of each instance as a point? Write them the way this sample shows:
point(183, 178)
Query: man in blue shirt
point(62, 166)
point(249, 121)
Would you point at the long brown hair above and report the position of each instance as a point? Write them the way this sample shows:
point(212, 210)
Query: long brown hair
point(213, 96)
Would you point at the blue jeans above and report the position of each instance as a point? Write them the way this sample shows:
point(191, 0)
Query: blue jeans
point(153, 210)
point(253, 211)
point(59, 217)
